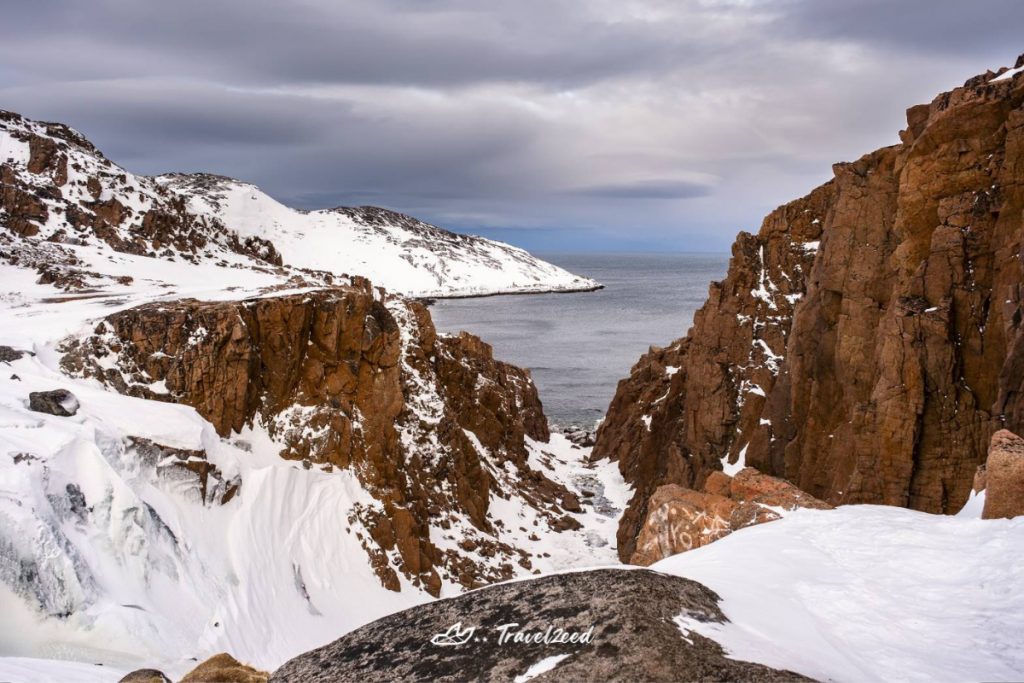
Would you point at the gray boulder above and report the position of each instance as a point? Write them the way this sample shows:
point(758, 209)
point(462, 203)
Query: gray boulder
point(626, 616)
point(59, 402)
point(146, 676)
point(9, 355)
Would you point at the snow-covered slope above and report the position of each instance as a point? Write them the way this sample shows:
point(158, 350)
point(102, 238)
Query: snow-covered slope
point(114, 551)
point(75, 195)
point(395, 251)
point(104, 558)
point(869, 593)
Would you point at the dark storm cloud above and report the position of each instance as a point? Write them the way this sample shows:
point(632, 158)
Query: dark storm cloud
point(665, 122)
point(266, 41)
point(941, 27)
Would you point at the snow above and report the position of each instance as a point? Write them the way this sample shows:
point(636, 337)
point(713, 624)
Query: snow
point(182, 580)
point(28, 670)
point(399, 253)
point(868, 593)
point(732, 469)
point(143, 576)
point(1008, 75)
point(542, 667)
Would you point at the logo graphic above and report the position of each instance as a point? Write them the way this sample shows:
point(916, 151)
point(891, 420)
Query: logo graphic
point(455, 635)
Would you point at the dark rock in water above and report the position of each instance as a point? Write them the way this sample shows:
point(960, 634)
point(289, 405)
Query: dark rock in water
point(7, 354)
point(59, 402)
point(146, 676)
point(627, 616)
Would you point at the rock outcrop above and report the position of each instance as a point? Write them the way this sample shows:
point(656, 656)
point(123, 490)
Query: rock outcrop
point(629, 616)
point(867, 341)
point(68, 192)
point(681, 519)
point(349, 378)
point(59, 402)
point(1003, 480)
point(145, 676)
point(224, 668)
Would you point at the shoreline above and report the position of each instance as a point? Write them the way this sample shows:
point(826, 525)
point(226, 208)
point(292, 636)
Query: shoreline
point(430, 300)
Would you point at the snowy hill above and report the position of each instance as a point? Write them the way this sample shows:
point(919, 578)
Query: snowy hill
point(73, 194)
point(395, 251)
point(264, 456)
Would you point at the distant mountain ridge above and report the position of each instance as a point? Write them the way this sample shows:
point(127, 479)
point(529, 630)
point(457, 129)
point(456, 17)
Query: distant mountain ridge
point(398, 252)
point(61, 189)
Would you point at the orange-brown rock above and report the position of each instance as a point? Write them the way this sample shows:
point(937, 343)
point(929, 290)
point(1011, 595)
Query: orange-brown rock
point(867, 341)
point(751, 486)
point(680, 519)
point(348, 378)
point(224, 668)
point(1004, 477)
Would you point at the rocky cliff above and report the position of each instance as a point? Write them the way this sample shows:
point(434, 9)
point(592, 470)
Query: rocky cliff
point(867, 341)
point(352, 378)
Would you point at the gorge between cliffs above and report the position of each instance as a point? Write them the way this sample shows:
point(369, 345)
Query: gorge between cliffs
point(228, 460)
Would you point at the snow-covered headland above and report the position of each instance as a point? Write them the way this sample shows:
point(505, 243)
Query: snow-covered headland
point(264, 449)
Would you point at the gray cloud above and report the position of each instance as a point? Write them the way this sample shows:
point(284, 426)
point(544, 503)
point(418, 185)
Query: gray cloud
point(660, 122)
point(649, 189)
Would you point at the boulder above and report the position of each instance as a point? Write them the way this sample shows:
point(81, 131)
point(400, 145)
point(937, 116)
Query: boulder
point(751, 486)
point(224, 668)
point(1004, 477)
point(59, 402)
point(680, 519)
point(718, 483)
point(145, 676)
point(627, 618)
point(8, 355)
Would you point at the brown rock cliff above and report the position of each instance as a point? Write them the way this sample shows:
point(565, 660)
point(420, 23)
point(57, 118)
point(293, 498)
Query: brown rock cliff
point(349, 378)
point(874, 367)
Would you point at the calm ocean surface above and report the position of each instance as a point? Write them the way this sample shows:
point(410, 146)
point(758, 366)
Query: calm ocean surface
point(578, 346)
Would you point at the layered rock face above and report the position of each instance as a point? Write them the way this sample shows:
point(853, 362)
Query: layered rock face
point(348, 378)
point(867, 341)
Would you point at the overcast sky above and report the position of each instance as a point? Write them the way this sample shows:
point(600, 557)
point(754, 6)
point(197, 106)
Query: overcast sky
point(552, 124)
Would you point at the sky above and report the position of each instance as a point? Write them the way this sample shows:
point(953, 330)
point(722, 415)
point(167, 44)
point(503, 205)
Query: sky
point(573, 125)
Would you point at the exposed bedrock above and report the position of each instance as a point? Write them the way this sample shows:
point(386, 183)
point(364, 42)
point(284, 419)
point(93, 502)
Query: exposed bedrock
point(629, 616)
point(680, 519)
point(867, 342)
point(350, 378)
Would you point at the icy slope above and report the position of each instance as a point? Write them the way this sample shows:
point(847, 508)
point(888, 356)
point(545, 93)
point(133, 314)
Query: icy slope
point(866, 593)
point(397, 252)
